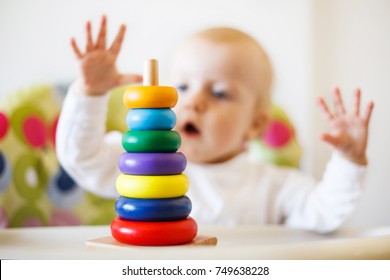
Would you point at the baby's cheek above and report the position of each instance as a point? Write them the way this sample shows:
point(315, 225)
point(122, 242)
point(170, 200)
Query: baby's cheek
point(225, 131)
point(233, 129)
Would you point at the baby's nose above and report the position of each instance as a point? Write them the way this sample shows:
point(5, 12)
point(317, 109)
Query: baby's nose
point(196, 101)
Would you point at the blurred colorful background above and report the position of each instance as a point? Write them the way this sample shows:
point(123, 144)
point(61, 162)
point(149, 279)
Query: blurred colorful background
point(313, 44)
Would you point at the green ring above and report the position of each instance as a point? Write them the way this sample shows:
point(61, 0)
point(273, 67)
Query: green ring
point(149, 141)
point(27, 191)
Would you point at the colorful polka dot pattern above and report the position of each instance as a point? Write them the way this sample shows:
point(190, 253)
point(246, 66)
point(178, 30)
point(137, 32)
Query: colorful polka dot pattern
point(34, 189)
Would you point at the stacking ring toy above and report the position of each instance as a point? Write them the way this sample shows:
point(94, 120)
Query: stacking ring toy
point(152, 163)
point(150, 97)
point(154, 233)
point(137, 186)
point(149, 141)
point(151, 119)
point(147, 210)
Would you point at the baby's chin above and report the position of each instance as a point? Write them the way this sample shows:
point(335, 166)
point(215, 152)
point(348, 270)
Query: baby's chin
point(193, 154)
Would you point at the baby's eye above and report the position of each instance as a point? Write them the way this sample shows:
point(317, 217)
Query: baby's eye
point(181, 88)
point(220, 94)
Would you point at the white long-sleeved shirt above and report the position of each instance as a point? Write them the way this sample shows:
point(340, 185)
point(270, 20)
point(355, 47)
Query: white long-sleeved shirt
point(237, 192)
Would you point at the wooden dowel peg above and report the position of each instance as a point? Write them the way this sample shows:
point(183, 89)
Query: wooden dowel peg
point(151, 72)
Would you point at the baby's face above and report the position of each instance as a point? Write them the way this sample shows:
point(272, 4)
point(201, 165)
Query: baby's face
point(217, 111)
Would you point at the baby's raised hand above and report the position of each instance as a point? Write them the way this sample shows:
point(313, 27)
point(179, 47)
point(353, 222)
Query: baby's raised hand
point(348, 131)
point(98, 63)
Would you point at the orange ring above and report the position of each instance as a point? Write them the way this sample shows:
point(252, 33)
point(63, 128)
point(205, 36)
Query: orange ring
point(150, 97)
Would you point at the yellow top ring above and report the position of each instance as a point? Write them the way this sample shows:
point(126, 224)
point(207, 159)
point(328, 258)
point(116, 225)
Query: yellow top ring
point(150, 97)
point(167, 186)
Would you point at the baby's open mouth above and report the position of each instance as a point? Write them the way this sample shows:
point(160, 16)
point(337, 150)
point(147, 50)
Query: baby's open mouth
point(191, 130)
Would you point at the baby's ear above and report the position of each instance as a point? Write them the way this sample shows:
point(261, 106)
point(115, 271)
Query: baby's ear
point(260, 122)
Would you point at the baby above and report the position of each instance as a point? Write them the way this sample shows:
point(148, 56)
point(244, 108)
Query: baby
point(224, 78)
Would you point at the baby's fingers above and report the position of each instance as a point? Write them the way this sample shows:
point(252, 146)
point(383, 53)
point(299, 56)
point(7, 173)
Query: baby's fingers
point(88, 29)
point(116, 45)
point(338, 102)
point(126, 79)
point(75, 48)
point(369, 109)
point(367, 114)
point(357, 102)
point(101, 39)
point(324, 109)
point(329, 139)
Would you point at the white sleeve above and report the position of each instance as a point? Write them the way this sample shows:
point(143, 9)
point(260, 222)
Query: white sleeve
point(83, 147)
point(325, 206)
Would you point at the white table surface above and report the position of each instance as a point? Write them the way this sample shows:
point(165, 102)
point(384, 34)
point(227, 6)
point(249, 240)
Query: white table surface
point(266, 242)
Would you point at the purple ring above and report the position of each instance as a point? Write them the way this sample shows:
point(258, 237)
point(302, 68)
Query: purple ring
point(152, 163)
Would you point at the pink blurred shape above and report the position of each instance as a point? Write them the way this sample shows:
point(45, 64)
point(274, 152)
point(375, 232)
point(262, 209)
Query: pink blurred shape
point(277, 134)
point(35, 131)
point(64, 218)
point(4, 124)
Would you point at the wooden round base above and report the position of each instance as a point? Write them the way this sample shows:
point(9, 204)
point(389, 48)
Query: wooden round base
point(154, 233)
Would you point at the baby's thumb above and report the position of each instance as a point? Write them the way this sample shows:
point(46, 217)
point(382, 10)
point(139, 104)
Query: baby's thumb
point(327, 138)
point(130, 79)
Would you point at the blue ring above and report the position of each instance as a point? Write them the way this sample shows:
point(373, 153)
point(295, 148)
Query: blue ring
point(151, 119)
point(153, 210)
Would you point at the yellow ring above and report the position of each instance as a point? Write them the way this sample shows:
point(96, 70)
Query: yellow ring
point(150, 97)
point(166, 186)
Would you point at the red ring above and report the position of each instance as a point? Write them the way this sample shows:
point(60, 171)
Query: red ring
point(154, 233)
